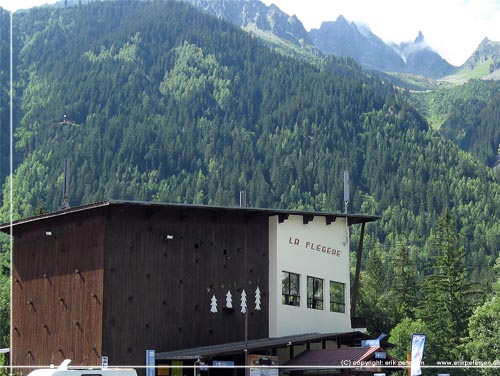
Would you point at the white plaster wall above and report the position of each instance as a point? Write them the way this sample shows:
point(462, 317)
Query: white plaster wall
point(314, 249)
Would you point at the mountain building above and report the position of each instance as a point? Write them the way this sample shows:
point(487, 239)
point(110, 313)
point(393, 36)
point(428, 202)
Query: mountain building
point(193, 283)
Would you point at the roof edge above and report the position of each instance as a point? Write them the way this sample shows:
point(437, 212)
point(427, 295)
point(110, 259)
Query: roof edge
point(352, 218)
point(56, 213)
point(254, 344)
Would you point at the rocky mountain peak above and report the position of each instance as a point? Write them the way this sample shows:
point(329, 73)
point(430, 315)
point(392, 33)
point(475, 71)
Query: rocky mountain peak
point(419, 38)
point(488, 52)
point(342, 38)
point(255, 14)
point(484, 41)
point(341, 19)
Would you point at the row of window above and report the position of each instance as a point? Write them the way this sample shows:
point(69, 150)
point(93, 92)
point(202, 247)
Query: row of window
point(290, 292)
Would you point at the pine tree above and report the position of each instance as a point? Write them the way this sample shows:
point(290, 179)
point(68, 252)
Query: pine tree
point(374, 295)
point(4, 298)
point(403, 284)
point(446, 305)
point(483, 343)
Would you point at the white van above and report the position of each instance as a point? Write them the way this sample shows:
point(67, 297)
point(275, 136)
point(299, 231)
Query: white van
point(63, 370)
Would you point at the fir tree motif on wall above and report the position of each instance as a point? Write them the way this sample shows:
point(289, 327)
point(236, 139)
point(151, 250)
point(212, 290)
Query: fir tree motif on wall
point(213, 304)
point(243, 303)
point(229, 300)
point(257, 299)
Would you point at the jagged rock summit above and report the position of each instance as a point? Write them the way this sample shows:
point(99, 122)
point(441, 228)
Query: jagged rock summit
point(357, 41)
point(487, 53)
point(342, 38)
point(254, 13)
point(420, 37)
point(422, 60)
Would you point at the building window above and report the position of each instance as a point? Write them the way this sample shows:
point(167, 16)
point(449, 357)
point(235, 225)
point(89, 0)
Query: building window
point(290, 289)
point(337, 297)
point(314, 293)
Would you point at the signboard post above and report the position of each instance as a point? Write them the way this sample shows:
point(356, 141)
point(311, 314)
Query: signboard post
point(262, 365)
point(150, 363)
point(223, 363)
point(104, 362)
point(370, 343)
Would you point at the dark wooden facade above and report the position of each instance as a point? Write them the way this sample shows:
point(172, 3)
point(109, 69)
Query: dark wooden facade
point(116, 279)
point(57, 301)
point(158, 290)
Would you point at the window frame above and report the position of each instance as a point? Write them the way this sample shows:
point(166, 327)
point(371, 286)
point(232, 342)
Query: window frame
point(287, 296)
point(336, 305)
point(315, 296)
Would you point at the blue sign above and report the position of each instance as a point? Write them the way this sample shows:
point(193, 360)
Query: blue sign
point(203, 366)
point(223, 363)
point(370, 343)
point(380, 355)
point(150, 363)
point(381, 336)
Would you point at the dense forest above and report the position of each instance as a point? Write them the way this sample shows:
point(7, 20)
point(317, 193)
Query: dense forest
point(4, 93)
point(4, 171)
point(467, 114)
point(156, 101)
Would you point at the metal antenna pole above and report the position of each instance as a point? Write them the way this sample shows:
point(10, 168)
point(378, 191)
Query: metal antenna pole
point(346, 191)
point(243, 199)
point(247, 370)
point(65, 204)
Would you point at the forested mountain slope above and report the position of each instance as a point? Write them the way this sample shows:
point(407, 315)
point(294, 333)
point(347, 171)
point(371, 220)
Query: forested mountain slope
point(468, 114)
point(185, 107)
point(157, 101)
point(267, 22)
point(4, 93)
point(164, 103)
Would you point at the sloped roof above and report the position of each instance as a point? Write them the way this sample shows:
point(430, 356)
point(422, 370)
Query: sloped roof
point(351, 218)
point(329, 358)
point(257, 344)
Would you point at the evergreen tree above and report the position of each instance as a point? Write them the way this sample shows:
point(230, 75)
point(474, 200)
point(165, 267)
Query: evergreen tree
point(4, 297)
point(401, 336)
point(374, 298)
point(403, 291)
point(446, 304)
point(483, 341)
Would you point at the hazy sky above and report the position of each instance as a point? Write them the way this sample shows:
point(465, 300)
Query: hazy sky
point(22, 4)
point(454, 28)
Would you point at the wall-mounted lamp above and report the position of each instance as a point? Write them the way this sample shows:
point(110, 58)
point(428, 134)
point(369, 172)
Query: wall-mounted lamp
point(169, 237)
point(48, 233)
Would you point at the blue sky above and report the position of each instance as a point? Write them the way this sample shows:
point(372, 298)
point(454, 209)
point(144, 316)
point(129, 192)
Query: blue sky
point(454, 28)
